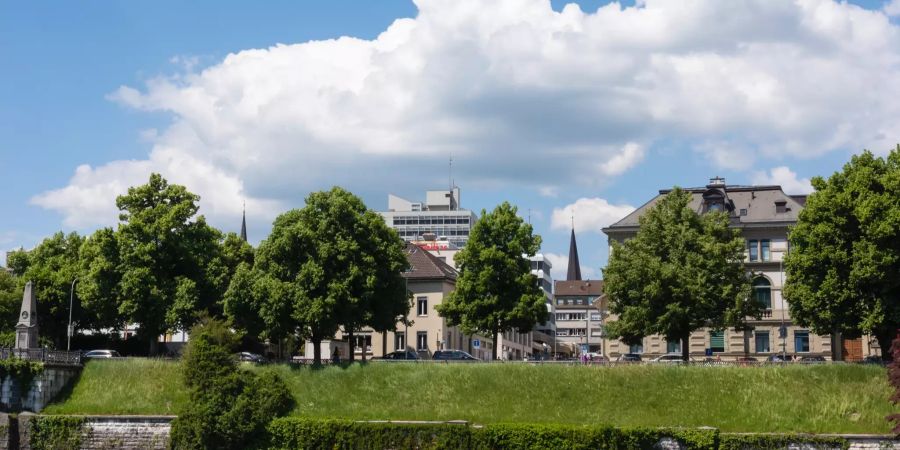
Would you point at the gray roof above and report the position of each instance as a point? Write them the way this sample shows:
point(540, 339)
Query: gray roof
point(757, 201)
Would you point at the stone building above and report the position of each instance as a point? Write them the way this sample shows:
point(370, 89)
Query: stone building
point(764, 214)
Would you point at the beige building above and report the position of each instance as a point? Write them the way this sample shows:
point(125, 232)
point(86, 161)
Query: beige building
point(764, 215)
point(430, 281)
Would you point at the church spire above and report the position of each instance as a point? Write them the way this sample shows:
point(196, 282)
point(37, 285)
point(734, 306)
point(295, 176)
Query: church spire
point(574, 273)
point(244, 224)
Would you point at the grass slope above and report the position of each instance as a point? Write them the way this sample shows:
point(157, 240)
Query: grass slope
point(130, 386)
point(816, 399)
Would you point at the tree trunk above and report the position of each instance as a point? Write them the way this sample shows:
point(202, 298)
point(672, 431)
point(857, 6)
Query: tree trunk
point(496, 335)
point(884, 337)
point(686, 347)
point(350, 344)
point(317, 350)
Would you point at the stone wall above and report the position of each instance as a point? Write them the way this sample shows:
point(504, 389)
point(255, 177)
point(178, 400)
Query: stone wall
point(43, 388)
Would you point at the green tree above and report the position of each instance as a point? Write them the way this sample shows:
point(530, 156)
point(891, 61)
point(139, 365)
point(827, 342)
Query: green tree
point(170, 259)
point(333, 263)
point(681, 272)
point(845, 252)
point(496, 291)
point(10, 301)
point(51, 266)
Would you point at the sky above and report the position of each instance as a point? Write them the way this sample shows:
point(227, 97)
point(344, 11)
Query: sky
point(584, 109)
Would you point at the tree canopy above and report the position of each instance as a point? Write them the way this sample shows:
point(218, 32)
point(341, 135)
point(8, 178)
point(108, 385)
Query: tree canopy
point(845, 252)
point(495, 291)
point(332, 264)
point(681, 272)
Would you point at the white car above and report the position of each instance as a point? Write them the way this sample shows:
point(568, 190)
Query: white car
point(102, 354)
point(670, 358)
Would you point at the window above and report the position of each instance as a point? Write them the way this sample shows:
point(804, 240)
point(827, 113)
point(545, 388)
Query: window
point(422, 341)
point(673, 347)
point(754, 249)
point(399, 340)
point(717, 341)
point(422, 306)
point(762, 292)
point(764, 249)
point(801, 341)
point(762, 342)
point(639, 348)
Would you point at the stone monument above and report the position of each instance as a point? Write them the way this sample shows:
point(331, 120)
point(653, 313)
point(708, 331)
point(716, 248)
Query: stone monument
point(27, 328)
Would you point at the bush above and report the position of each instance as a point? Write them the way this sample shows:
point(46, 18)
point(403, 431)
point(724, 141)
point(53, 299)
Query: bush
point(55, 432)
point(295, 433)
point(229, 408)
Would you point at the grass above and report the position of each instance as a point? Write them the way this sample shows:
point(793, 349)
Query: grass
point(130, 386)
point(811, 399)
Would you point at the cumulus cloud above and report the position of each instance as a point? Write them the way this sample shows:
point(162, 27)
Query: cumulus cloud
point(591, 214)
point(631, 155)
point(520, 95)
point(786, 178)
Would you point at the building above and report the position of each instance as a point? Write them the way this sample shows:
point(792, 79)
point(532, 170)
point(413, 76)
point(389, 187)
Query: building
point(577, 313)
point(429, 281)
point(440, 215)
point(764, 214)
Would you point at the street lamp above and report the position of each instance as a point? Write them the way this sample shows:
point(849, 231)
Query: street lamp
point(69, 329)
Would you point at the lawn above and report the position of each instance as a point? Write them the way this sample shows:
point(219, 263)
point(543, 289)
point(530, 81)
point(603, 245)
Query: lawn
point(814, 399)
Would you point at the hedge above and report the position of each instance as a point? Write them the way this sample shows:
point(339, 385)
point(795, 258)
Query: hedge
point(296, 433)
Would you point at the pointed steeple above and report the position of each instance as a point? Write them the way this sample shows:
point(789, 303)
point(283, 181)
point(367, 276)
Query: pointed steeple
point(574, 273)
point(244, 224)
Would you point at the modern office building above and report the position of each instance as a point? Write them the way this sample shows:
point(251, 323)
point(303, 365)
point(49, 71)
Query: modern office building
point(764, 214)
point(440, 215)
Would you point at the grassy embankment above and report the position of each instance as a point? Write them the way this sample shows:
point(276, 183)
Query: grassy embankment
point(813, 399)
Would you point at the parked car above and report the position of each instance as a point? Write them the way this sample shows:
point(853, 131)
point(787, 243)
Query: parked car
point(670, 358)
point(251, 357)
point(812, 359)
point(402, 355)
point(629, 357)
point(778, 357)
point(102, 354)
point(452, 355)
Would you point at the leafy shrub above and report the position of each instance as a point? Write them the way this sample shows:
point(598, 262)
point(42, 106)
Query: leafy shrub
point(229, 408)
point(55, 432)
point(780, 441)
point(296, 433)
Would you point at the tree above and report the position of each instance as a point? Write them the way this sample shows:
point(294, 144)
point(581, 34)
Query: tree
point(495, 291)
point(681, 272)
point(170, 259)
point(845, 252)
point(51, 266)
point(333, 263)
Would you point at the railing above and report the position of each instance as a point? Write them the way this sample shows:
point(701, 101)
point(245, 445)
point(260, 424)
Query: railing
point(51, 357)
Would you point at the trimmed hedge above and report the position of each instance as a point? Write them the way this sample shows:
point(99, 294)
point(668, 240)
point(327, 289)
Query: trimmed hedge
point(296, 433)
point(780, 441)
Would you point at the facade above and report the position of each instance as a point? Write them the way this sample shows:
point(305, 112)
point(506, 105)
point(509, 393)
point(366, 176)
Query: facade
point(429, 281)
point(764, 215)
point(440, 215)
point(577, 311)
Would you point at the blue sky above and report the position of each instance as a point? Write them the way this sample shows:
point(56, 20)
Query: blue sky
point(546, 109)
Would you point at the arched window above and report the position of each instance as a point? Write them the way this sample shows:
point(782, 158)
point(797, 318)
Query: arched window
point(762, 292)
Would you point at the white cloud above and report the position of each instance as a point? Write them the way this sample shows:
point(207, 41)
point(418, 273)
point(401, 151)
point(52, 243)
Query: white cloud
point(591, 214)
point(631, 155)
point(892, 8)
point(786, 178)
point(519, 94)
